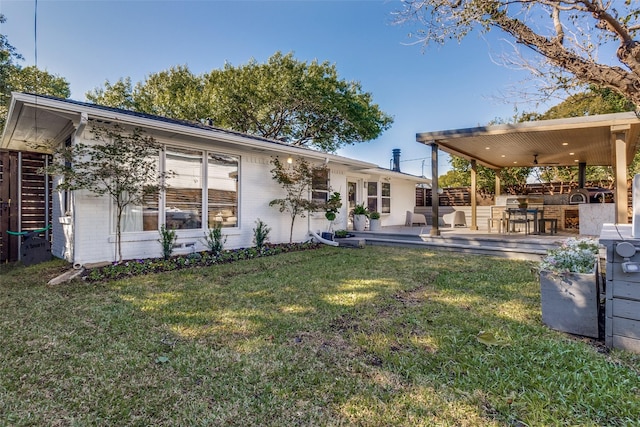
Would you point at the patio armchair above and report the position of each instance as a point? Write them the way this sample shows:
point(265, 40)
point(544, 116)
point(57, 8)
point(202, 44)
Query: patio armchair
point(455, 219)
point(414, 218)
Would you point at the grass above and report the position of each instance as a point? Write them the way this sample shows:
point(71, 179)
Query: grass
point(372, 337)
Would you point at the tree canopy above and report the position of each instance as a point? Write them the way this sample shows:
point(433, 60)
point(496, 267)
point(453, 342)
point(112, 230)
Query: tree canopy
point(564, 38)
point(304, 104)
point(15, 78)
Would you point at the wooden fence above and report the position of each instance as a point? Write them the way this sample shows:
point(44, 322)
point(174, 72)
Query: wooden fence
point(25, 199)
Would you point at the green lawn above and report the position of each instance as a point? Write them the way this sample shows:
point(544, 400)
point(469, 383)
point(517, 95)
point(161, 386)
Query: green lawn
point(374, 337)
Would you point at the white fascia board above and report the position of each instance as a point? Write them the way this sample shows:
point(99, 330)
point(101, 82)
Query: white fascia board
point(535, 126)
point(397, 175)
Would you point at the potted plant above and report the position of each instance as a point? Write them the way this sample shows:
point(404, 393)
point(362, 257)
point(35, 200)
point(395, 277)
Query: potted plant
point(341, 234)
point(331, 212)
point(374, 221)
point(569, 287)
point(360, 214)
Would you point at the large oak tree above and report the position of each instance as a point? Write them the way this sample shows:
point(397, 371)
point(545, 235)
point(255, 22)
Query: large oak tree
point(574, 42)
point(301, 103)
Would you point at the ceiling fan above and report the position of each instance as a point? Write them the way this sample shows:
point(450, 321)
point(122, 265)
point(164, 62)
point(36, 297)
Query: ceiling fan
point(535, 162)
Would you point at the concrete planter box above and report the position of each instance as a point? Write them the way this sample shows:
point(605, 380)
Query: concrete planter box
point(374, 225)
point(570, 302)
point(359, 222)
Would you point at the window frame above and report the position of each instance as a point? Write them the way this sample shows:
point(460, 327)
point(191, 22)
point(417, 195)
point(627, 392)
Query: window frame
point(205, 155)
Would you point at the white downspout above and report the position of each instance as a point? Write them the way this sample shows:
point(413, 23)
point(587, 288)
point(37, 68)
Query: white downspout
point(84, 119)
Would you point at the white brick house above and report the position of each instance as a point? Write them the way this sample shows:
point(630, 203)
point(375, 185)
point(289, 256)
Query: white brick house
point(221, 176)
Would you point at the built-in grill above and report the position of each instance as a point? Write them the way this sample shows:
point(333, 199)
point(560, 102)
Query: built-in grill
point(531, 201)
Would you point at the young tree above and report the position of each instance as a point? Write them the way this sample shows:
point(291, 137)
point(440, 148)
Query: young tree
point(119, 164)
point(304, 104)
point(564, 37)
point(297, 180)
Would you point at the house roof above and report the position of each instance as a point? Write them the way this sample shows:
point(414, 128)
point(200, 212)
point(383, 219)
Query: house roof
point(560, 142)
point(34, 120)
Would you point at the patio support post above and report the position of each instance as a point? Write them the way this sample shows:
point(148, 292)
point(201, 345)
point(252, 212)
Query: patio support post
point(582, 174)
point(474, 191)
point(435, 195)
point(498, 189)
point(620, 166)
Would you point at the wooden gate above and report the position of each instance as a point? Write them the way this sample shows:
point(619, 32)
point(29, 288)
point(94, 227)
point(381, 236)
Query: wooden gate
point(25, 199)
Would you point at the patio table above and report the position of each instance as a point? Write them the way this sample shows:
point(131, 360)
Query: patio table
point(524, 216)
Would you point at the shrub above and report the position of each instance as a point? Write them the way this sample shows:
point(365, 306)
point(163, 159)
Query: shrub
point(260, 234)
point(573, 256)
point(157, 265)
point(361, 210)
point(167, 239)
point(214, 240)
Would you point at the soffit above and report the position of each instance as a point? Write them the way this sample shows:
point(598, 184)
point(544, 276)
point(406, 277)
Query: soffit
point(563, 142)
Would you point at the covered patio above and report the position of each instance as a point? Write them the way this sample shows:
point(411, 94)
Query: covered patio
point(601, 140)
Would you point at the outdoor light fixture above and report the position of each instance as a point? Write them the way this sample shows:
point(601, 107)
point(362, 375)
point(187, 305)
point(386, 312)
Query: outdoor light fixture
point(626, 250)
point(289, 160)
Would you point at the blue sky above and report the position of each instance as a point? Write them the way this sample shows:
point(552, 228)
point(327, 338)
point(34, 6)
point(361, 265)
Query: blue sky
point(453, 86)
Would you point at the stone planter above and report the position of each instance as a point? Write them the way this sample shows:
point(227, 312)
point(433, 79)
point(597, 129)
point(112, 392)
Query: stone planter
point(570, 302)
point(374, 225)
point(359, 222)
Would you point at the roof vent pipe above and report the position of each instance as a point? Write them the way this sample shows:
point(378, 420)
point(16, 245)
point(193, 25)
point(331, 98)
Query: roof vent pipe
point(396, 160)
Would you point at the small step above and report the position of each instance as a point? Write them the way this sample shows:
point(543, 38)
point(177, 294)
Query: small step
point(514, 247)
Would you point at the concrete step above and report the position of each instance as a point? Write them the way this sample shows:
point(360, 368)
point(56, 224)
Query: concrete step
point(509, 246)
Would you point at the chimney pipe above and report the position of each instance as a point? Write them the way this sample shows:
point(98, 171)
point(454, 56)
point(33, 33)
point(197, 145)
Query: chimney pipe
point(396, 160)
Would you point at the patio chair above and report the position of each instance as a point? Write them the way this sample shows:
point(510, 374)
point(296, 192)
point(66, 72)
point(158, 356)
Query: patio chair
point(414, 218)
point(455, 219)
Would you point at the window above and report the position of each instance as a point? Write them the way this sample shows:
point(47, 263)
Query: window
point(183, 196)
point(385, 198)
point(320, 185)
point(372, 196)
point(183, 199)
point(222, 190)
point(140, 217)
point(352, 190)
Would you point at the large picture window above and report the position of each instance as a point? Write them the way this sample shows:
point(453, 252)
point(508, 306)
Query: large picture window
point(194, 187)
point(222, 190)
point(143, 217)
point(183, 196)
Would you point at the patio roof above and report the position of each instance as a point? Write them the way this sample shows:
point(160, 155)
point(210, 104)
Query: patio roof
point(560, 142)
point(602, 140)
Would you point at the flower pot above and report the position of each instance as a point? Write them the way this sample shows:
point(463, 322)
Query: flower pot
point(374, 225)
point(359, 222)
point(570, 302)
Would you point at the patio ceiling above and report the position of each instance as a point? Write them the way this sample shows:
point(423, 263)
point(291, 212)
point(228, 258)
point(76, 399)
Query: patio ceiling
point(561, 142)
